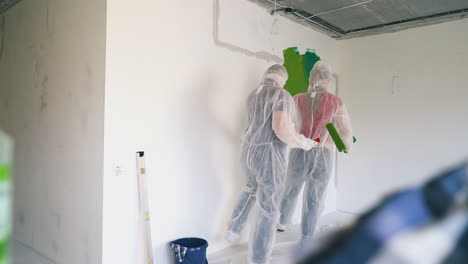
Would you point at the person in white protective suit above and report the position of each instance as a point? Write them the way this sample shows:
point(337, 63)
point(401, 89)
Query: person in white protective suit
point(316, 108)
point(264, 151)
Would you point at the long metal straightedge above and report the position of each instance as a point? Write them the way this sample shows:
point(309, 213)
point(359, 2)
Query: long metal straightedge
point(144, 214)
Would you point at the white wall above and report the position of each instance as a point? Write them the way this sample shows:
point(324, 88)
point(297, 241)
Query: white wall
point(52, 103)
point(407, 95)
point(178, 93)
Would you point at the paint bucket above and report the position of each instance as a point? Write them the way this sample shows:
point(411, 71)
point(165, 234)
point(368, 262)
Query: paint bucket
point(190, 250)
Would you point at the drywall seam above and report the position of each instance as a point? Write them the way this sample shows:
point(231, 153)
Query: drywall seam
point(2, 35)
point(259, 55)
point(47, 16)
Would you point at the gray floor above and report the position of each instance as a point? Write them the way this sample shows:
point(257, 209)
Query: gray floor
point(236, 254)
point(285, 242)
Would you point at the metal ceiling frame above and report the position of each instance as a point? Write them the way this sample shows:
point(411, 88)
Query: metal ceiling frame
point(433, 16)
point(315, 20)
point(322, 25)
point(311, 19)
point(6, 4)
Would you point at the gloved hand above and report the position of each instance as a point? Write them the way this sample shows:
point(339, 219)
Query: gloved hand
point(311, 144)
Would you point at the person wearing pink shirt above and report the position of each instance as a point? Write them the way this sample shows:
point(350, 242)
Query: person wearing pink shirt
point(316, 108)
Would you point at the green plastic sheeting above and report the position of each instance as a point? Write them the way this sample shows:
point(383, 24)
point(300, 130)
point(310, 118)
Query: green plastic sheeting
point(6, 152)
point(298, 67)
point(5, 210)
point(4, 172)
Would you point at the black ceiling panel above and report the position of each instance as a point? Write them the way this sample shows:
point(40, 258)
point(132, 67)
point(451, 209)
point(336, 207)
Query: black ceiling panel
point(5, 4)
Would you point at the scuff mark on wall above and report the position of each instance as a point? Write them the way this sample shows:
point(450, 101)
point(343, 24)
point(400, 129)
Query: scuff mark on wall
point(88, 78)
point(87, 249)
point(394, 79)
point(259, 55)
point(36, 70)
point(6, 103)
point(44, 93)
point(84, 122)
point(54, 246)
point(57, 218)
point(20, 217)
point(89, 71)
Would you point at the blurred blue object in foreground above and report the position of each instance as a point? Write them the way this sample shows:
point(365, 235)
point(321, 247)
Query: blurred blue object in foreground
point(426, 224)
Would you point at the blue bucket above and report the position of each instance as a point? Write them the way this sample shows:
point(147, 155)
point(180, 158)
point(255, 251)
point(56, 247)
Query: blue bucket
point(190, 250)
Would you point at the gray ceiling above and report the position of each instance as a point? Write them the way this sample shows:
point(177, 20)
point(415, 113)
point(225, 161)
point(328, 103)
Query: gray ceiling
point(5, 4)
point(354, 18)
